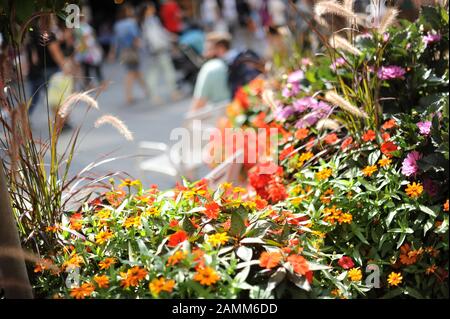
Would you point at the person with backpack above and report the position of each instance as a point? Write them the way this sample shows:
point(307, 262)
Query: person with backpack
point(157, 41)
point(211, 85)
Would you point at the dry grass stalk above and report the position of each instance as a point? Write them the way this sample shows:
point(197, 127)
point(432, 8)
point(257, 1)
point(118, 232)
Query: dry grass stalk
point(345, 105)
point(338, 42)
point(388, 19)
point(116, 123)
point(66, 107)
point(328, 124)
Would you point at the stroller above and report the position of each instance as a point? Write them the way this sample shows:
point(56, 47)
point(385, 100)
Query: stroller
point(187, 55)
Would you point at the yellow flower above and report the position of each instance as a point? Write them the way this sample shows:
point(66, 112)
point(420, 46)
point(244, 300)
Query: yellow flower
point(129, 183)
point(394, 279)
point(239, 190)
point(355, 274)
point(161, 284)
point(153, 211)
point(384, 162)
point(132, 222)
point(345, 218)
point(103, 236)
point(103, 214)
point(304, 157)
point(206, 276)
point(324, 174)
point(369, 170)
point(218, 239)
point(414, 190)
point(226, 185)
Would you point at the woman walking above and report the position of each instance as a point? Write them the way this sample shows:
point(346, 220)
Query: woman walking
point(127, 45)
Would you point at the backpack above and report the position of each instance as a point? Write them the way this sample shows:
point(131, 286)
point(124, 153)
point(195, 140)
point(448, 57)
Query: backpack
point(245, 67)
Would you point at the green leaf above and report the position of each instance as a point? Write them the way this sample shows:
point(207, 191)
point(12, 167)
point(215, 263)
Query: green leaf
point(427, 210)
point(356, 230)
point(237, 225)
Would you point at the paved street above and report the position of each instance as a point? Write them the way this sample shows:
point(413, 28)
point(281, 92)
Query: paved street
point(146, 121)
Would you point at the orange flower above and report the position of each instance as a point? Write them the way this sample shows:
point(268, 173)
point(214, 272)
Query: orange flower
point(301, 133)
point(369, 170)
point(212, 210)
point(387, 148)
point(384, 162)
point(385, 136)
point(115, 198)
point(102, 281)
point(389, 124)
point(161, 284)
point(132, 277)
point(446, 204)
point(82, 292)
point(269, 260)
point(177, 238)
point(346, 143)
point(176, 258)
point(414, 190)
point(75, 222)
point(406, 258)
point(369, 136)
point(107, 263)
point(132, 222)
point(206, 276)
point(331, 138)
point(431, 270)
point(299, 263)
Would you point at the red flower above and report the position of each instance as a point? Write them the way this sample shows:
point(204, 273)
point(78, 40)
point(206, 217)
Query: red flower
point(331, 138)
point(276, 192)
point(309, 276)
point(388, 147)
point(347, 142)
point(173, 223)
point(299, 263)
point(260, 203)
point(212, 210)
point(242, 97)
point(284, 153)
point(369, 136)
point(346, 262)
point(385, 136)
point(389, 124)
point(177, 238)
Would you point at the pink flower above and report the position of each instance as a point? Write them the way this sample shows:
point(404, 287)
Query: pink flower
point(431, 38)
point(391, 72)
point(409, 165)
point(424, 127)
point(337, 64)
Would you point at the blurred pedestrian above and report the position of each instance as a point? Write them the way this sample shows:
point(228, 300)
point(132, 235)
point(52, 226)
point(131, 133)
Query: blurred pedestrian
point(278, 11)
point(45, 58)
point(88, 53)
point(158, 42)
point(209, 14)
point(212, 81)
point(126, 46)
point(230, 14)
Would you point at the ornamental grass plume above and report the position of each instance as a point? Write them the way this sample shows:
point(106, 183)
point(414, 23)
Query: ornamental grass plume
point(73, 99)
point(338, 100)
point(328, 124)
point(116, 123)
point(388, 19)
point(338, 42)
point(332, 7)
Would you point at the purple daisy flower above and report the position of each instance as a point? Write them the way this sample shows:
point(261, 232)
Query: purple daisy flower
point(409, 165)
point(424, 127)
point(391, 72)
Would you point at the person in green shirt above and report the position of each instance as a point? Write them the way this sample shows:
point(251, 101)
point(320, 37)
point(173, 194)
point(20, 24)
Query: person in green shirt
point(212, 81)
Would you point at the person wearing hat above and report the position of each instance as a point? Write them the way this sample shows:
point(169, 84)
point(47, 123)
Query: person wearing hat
point(212, 81)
